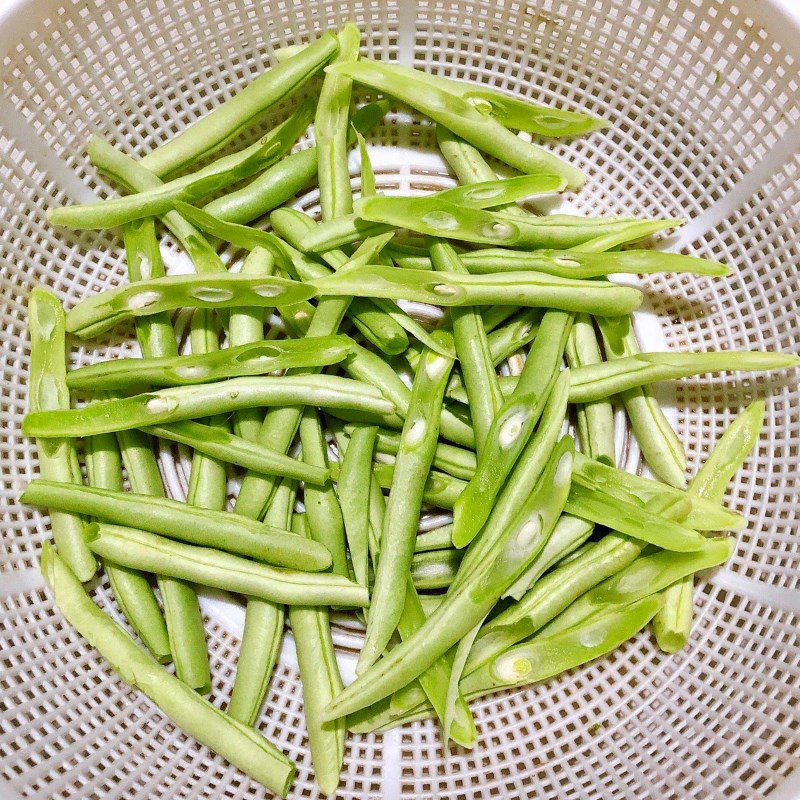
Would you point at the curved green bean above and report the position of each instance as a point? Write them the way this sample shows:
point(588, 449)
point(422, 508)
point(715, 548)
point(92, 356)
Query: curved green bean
point(461, 117)
point(192, 402)
point(201, 526)
point(48, 393)
point(224, 123)
point(206, 567)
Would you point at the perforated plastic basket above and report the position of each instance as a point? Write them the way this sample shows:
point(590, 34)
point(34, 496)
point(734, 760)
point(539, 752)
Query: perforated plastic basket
point(705, 100)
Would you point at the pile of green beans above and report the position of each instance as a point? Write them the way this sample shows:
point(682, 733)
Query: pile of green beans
point(417, 475)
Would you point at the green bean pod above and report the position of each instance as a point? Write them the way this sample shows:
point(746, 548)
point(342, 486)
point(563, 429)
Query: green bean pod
point(461, 117)
point(193, 402)
point(255, 358)
point(58, 460)
point(201, 526)
point(435, 569)
point(415, 455)
point(513, 288)
point(239, 744)
point(190, 188)
point(224, 123)
point(104, 310)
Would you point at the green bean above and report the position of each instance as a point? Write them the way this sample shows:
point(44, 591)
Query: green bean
point(647, 575)
point(435, 216)
point(131, 589)
point(595, 419)
point(632, 519)
point(549, 655)
point(133, 176)
point(466, 604)
point(243, 747)
point(202, 526)
point(437, 539)
point(354, 475)
point(233, 449)
point(246, 327)
point(104, 310)
point(696, 511)
point(596, 381)
point(224, 123)
point(285, 179)
point(58, 460)
point(321, 681)
point(465, 160)
point(461, 117)
point(385, 333)
point(323, 514)
point(435, 569)
point(254, 358)
point(192, 187)
point(368, 188)
point(263, 630)
point(208, 567)
point(191, 402)
point(330, 131)
point(155, 334)
point(672, 625)
point(573, 264)
point(184, 621)
point(660, 445)
point(513, 288)
point(414, 457)
point(208, 483)
point(512, 427)
point(551, 595)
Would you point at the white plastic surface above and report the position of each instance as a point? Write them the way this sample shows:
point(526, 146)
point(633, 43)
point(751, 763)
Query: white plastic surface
point(705, 100)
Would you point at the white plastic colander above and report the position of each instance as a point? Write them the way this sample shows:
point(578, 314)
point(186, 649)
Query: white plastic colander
point(704, 96)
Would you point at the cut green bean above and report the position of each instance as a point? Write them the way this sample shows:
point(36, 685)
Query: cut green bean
point(263, 631)
point(131, 588)
point(319, 675)
point(255, 358)
point(512, 427)
point(190, 188)
point(288, 177)
point(472, 348)
point(660, 445)
point(573, 264)
point(435, 569)
point(437, 539)
point(514, 288)
point(233, 449)
point(48, 392)
point(595, 419)
point(461, 117)
point(466, 604)
point(330, 131)
point(206, 567)
point(193, 402)
point(242, 746)
point(104, 310)
point(368, 188)
point(354, 475)
point(414, 457)
point(435, 216)
point(323, 514)
point(202, 526)
point(225, 122)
